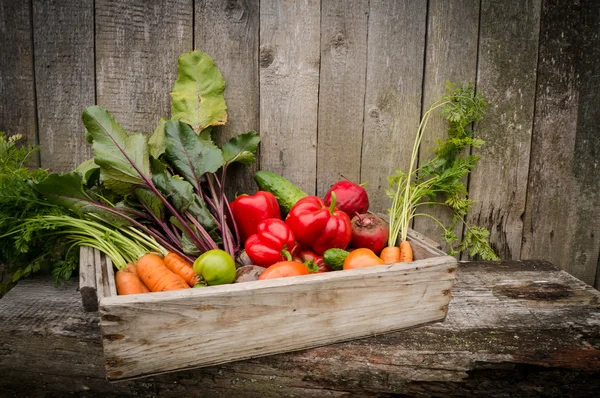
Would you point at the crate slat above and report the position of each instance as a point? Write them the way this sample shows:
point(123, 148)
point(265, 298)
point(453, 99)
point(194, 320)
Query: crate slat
point(87, 279)
point(160, 332)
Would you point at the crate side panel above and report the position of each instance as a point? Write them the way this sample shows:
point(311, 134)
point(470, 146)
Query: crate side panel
point(148, 337)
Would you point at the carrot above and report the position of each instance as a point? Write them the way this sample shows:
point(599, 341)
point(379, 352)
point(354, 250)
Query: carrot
point(181, 268)
point(390, 255)
point(131, 268)
point(129, 283)
point(406, 255)
point(155, 274)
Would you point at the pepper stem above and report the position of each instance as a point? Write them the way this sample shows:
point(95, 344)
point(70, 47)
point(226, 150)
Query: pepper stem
point(333, 202)
point(286, 254)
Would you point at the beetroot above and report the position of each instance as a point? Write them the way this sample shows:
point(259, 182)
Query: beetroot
point(351, 198)
point(370, 232)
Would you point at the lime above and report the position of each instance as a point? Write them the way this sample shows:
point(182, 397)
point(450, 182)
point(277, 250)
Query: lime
point(216, 267)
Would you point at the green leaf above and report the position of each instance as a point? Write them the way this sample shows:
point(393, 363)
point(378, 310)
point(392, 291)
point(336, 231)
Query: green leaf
point(150, 201)
point(197, 97)
point(123, 159)
point(191, 156)
point(181, 194)
point(89, 171)
point(66, 190)
point(158, 140)
point(242, 148)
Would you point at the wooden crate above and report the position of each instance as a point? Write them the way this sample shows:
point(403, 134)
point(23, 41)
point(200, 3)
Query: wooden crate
point(154, 333)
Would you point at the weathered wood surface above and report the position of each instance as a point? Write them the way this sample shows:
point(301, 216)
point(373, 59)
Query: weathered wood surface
point(155, 333)
point(289, 89)
point(341, 90)
point(87, 279)
point(452, 29)
point(64, 75)
point(396, 46)
point(508, 51)
point(517, 328)
point(228, 31)
point(17, 81)
point(137, 45)
point(562, 217)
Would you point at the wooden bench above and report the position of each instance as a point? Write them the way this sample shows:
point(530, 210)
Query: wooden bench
point(514, 328)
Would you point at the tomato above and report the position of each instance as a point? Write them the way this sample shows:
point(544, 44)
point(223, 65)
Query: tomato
point(216, 267)
point(303, 256)
point(284, 269)
point(360, 258)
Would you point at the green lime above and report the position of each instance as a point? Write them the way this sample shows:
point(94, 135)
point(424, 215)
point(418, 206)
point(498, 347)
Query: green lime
point(216, 267)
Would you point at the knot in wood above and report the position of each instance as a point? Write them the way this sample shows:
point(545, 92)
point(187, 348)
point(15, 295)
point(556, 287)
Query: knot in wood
point(267, 56)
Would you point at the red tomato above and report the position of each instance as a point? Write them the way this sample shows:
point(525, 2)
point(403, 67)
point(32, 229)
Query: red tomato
point(284, 269)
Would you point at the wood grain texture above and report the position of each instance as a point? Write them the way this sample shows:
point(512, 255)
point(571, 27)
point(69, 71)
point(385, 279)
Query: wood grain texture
point(228, 32)
point(451, 56)
point(150, 333)
point(396, 45)
point(289, 89)
point(517, 328)
point(87, 279)
point(341, 91)
point(17, 91)
point(137, 46)
point(64, 70)
point(508, 53)
point(562, 217)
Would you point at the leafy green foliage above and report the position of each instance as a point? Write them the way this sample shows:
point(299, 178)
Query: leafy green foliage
point(190, 155)
point(32, 252)
point(241, 148)
point(197, 97)
point(439, 181)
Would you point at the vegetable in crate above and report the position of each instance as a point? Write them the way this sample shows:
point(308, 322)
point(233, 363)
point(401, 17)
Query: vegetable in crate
point(318, 226)
point(351, 198)
point(286, 193)
point(216, 267)
point(305, 255)
point(439, 180)
point(271, 243)
point(361, 258)
point(334, 258)
point(248, 211)
point(285, 269)
point(370, 232)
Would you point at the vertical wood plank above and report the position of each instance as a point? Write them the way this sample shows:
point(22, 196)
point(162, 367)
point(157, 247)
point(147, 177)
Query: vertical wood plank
point(396, 46)
point(451, 56)
point(341, 90)
point(228, 32)
point(137, 45)
point(508, 54)
point(562, 217)
point(289, 87)
point(17, 91)
point(64, 71)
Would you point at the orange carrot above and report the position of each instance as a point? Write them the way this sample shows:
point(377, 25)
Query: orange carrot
point(155, 274)
point(390, 255)
point(132, 268)
point(181, 268)
point(129, 283)
point(406, 255)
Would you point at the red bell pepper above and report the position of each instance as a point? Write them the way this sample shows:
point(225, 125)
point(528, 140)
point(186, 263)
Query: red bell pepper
point(248, 211)
point(303, 256)
point(271, 243)
point(318, 226)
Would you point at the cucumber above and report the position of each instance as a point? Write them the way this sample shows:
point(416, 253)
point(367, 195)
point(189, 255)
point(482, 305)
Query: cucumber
point(286, 193)
point(334, 258)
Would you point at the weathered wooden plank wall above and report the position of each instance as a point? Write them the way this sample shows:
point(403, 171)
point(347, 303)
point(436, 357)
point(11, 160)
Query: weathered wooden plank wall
point(337, 87)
